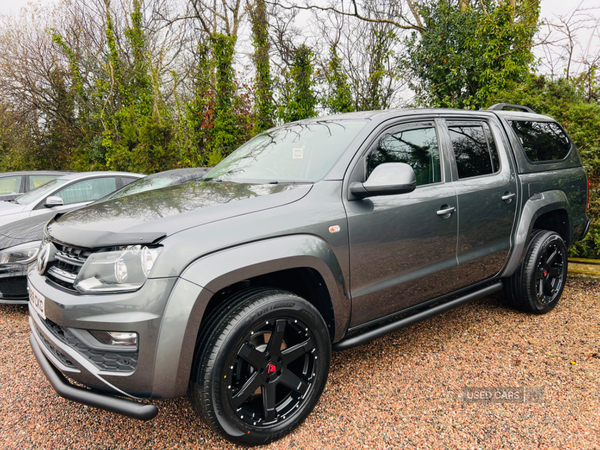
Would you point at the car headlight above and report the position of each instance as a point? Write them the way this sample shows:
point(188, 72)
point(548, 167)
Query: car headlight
point(122, 270)
point(20, 254)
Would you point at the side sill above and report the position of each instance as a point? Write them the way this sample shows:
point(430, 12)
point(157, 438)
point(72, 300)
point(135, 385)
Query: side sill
point(367, 336)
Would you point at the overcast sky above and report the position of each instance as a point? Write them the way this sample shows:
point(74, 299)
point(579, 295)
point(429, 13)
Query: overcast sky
point(551, 9)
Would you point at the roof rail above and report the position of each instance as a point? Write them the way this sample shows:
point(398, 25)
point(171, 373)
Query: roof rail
point(502, 106)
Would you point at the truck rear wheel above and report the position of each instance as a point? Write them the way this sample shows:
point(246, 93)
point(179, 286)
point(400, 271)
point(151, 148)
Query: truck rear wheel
point(537, 284)
point(261, 366)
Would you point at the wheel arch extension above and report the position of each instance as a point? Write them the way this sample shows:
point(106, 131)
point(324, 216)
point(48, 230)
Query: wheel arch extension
point(547, 210)
point(303, 264)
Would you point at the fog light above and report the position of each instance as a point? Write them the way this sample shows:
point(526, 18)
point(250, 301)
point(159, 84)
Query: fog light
point(116, 337)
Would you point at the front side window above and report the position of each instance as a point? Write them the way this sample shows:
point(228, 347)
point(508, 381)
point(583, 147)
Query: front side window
point(10, 185)
point(474, 149)
point(417, 147)
point(87, 190)
point(42, 191)
point(542, 141)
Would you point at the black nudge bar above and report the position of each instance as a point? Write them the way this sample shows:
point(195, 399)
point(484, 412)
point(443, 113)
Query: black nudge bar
point(62, 386)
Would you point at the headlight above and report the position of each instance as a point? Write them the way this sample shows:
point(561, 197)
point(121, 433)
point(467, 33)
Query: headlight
point(20, 254)
point(116, 271)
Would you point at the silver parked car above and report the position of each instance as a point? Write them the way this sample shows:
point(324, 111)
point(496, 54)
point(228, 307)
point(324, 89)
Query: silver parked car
point(64, 193)
point(20, 240)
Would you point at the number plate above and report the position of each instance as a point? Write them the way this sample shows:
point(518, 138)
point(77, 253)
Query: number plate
point(37, 301)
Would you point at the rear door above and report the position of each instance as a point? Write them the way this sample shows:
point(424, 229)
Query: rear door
point(402, 251)
point(487, 197)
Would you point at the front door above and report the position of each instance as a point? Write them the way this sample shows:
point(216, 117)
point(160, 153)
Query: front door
point(402, 248)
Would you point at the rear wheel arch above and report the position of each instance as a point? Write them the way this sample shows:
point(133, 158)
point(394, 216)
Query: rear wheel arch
point(556, 220)
point(548, 209)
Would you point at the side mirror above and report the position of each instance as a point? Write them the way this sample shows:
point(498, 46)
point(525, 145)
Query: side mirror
point(386, 179)
point(53, 201)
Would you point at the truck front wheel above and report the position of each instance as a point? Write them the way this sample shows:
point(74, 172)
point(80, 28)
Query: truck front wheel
point(261, 367)
point(537, 284)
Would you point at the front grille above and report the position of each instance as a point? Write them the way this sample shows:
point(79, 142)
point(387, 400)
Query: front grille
point(67, 263)
point(113, 361)
point(58, 355)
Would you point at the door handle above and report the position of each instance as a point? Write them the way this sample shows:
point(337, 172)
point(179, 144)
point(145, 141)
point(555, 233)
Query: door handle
point(446, 211)
point(508, 196)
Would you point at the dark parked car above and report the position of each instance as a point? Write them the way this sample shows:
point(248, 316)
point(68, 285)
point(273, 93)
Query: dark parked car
point(322, 233)
point(20, 240)
point(64, 194)
point(160, 180)
point(13, 184)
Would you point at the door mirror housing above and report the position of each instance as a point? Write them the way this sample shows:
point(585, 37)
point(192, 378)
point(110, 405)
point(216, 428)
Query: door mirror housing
point(386, 179)
point(53, 201)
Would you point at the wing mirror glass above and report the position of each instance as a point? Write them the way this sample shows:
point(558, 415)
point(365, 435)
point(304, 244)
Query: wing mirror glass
point(54, 201)
point(386, 179)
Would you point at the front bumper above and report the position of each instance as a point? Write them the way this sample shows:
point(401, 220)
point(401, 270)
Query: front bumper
point(64, 339)
point(80, 395)
point(13, 284)
point(165, 313)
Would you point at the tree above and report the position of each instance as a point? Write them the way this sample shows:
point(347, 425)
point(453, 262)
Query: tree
point(224, 134)
point(136, 137)
point(465, 55)
point(263, 86)
point(300, 100)
point(339, 97)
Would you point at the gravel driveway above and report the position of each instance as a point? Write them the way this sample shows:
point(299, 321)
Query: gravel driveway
point(403, 390)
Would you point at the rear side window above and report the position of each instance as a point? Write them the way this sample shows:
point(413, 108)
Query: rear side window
point(542, 141)
point(10, 185)
point(474, 149)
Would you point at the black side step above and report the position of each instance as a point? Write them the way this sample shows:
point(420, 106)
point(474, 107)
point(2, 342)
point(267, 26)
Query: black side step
point(406, 321)
point(140, 411)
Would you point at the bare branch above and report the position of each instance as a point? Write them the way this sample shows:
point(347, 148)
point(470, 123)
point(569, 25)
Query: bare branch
point(354, 13)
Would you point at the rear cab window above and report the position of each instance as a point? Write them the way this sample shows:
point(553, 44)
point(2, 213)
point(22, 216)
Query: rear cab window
point(474, 149)
point(542, 141)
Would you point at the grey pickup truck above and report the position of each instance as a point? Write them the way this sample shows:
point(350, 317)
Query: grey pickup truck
point(316, 235)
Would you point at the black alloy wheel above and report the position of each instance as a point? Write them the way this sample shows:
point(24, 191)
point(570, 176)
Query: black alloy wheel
point(261, 365)
point(538, 283)
point(272, 372)
point(550, 274)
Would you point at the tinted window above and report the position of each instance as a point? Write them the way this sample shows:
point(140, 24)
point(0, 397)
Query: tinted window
point(35, 181)
point(542, 141)
point(87, 190)
point(474, 149)
point(417, 148)
point(10, 185)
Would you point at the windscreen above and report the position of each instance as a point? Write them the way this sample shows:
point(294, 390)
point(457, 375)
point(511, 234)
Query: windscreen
point(299, 152)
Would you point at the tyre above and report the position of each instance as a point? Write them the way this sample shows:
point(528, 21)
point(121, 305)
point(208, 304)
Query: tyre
point(261, 365)
point(538, 283)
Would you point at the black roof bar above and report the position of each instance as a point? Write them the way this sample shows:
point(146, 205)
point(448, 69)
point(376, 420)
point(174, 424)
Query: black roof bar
point(502, 106)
